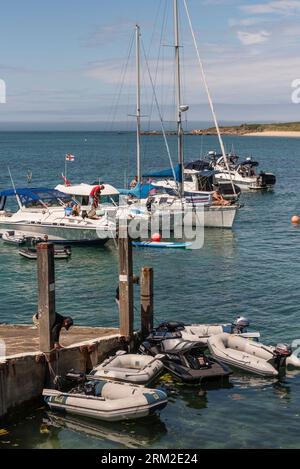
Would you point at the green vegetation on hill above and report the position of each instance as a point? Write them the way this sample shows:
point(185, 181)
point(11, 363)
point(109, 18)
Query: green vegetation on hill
point(251, 128)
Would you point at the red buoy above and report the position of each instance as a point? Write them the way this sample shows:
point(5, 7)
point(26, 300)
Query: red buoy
point(295, 219)
point(156, 237)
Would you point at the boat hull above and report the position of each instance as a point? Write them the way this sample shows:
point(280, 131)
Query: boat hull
point(119, 401)
point(57, 234)
point(245, 184)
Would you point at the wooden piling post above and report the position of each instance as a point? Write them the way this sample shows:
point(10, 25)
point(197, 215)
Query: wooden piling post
point(146, 282)
point(46, 295)
point(125, 284)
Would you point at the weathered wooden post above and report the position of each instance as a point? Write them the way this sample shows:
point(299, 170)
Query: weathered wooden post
point(146, 282)
point(46, 295)
point(125, 284)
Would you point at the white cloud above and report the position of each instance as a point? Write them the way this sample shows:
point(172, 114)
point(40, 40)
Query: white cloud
point(250, 38)
point(284, 7)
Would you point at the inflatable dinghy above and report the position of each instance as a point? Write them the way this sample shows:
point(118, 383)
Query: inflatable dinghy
point(201, 332)
point(106, 400)
point(128, 367)
point(59, 253)
point(160, 244)
point(251, 356)
point(13, 237)
point(185, 360)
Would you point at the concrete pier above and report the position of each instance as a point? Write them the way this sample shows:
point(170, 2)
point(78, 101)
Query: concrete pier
point(23, 370)
point(32, 359)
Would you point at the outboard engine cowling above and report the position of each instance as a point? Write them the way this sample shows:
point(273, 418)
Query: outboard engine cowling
point(281, 353)
point(240, 325)
point(171, 326)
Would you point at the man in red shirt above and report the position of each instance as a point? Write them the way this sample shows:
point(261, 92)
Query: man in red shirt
point(95, 200)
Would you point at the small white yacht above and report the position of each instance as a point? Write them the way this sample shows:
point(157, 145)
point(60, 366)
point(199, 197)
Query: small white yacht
point(45, 212)
point(244, 174)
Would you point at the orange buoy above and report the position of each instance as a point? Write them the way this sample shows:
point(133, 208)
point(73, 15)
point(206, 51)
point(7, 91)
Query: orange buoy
point(156, 237)
point(295, 219)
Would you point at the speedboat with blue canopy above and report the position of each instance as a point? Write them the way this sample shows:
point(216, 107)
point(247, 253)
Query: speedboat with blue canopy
point(45, 212)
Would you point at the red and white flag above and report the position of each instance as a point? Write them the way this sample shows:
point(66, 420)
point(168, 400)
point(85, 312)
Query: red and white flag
point(70, 157)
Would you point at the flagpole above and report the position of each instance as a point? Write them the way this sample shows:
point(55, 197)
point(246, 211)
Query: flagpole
point(66, 168)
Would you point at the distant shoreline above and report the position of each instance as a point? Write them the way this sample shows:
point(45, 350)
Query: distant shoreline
point(289, 129)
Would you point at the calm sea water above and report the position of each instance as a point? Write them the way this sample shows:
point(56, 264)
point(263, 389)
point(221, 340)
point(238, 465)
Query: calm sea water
point(253, 270)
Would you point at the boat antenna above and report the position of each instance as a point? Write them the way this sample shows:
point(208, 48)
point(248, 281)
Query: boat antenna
point(209, 97)
point(14, 187)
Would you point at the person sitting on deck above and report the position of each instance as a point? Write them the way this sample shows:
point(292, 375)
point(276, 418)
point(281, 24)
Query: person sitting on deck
point(76, 210)
point(60, 322)
point(134, 182)
point(218, 199)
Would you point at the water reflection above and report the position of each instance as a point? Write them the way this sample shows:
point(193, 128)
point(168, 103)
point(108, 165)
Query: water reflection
point(130, 434)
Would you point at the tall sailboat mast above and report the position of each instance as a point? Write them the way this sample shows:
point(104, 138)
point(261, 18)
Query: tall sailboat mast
point(138, 102)
point(178, 99)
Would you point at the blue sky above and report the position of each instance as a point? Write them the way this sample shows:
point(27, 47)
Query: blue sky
point(62, 61)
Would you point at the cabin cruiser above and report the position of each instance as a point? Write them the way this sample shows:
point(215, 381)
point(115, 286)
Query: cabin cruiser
point(199, 179)
point(45, 212)
point(243, 174)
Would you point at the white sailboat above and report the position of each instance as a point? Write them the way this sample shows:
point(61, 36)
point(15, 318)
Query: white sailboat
point(177, 202)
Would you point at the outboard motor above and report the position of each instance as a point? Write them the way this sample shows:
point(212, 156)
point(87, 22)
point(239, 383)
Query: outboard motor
point(75, 376)
point(267, 179)
point(170, 326)
point(239, 325)
point(281, 353)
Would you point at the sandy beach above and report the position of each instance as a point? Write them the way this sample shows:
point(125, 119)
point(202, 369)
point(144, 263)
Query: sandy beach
point(274, 133)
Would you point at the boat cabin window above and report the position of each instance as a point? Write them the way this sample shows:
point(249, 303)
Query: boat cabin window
point(188, 178)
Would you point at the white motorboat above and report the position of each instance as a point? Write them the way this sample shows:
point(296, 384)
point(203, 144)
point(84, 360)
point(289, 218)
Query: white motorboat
point(13, 237)
point(133, 368)
point(43, 212)
point(243, 174)
point(107, 400)
point(250, 356)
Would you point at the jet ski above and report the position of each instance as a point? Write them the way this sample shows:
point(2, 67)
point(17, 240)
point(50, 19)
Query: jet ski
point(184, 359)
